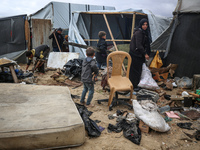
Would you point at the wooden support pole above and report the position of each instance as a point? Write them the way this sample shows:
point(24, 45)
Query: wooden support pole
point(113, 13)
point(133, 25)
point(56, 41)
point(112, 38)
point(13, 73)
point(110, 31)
point(117, 40)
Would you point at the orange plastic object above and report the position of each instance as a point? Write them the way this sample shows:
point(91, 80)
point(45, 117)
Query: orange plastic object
point(117, 82)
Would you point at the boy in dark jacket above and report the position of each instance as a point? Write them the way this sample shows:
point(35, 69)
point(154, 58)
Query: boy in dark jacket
point(102, 47)
point(89, 70)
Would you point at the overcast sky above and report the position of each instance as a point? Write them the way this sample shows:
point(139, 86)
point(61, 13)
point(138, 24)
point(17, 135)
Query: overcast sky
point(19, 7)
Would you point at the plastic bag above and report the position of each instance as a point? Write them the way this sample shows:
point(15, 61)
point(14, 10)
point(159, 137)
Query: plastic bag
point(146, 80)
point(90, 126)
point(184, 82)
point(153, 119)
point(157, 61)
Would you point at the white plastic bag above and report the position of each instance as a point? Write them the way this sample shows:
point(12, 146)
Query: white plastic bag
point(153, 119)
point(146, 80)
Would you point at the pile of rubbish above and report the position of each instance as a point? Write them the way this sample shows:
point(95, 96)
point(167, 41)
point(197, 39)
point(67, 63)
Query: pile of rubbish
point(6, 75)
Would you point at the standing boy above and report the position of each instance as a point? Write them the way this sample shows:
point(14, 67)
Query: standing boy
point(89, 70)
point(101, 56)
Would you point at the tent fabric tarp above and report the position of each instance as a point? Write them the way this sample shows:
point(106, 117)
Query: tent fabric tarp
point(60, 13)
point(88, 25)
point(12, 36)
point(181, 39)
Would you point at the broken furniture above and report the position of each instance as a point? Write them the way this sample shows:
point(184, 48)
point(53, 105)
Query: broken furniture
point(8, 63)
point(38, 117)
point(116, 81)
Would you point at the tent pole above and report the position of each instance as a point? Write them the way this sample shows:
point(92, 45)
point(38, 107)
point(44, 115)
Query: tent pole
point(133, 25)
point(110, 31)
point(112, 38)
point(90, 27)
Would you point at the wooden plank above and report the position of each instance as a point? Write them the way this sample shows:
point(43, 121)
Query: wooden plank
point(133, 25)
point(117, 40)
point(27, 34)
point(13, 73)
point(108, 26)
point(112, 38)
point(112, 13)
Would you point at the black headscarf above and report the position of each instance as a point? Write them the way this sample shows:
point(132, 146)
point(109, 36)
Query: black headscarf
point(146, 32)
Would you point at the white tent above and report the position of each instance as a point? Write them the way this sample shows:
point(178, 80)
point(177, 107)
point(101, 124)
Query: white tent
point(121, 23)
point(60, 13)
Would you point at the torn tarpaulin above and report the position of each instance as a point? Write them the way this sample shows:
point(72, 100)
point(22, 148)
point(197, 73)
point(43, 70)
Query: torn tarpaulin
point(90, 126)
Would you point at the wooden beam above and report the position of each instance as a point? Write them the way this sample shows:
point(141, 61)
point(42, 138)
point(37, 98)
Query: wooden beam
point(117, 40)
point(133, 25)
point(13, 73)
point(113, 13)
point(110, 31)
point(112, 38)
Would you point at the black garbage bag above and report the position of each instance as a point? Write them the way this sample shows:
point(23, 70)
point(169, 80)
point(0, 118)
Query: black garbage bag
point(131, 131)
point(6, 77)
point(73, 67)
point(90, 126)
point(186, 125)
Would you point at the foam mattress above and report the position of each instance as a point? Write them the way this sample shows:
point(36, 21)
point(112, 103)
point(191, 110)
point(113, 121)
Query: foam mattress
point(38, 117)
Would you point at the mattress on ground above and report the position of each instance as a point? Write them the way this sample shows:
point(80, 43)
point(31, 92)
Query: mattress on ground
point(37, 117)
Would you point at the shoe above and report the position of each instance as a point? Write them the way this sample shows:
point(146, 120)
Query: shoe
point(82, 103)
point(91, 105)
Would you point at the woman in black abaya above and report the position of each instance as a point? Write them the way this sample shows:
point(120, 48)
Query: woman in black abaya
point(139, 51)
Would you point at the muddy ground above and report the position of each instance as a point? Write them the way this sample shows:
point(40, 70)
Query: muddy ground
point(173, 139)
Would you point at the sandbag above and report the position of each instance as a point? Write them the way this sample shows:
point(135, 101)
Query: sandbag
point(153, 119)
point(146, 80)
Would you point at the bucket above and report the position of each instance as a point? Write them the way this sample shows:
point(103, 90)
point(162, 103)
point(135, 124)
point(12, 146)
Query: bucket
point(187, 101)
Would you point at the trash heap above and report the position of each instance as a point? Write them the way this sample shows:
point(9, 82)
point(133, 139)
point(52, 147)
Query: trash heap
point(161, 99)
point(7, 77)
point(71, 70)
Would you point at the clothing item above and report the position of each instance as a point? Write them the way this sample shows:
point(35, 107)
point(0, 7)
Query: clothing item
point(99, 65)
point(102, 47)
point(40, 52)
point(59, 37)
point(136, 69)
point(88, 68)
point(140, 44)
point(56, 49)
point(87, 87)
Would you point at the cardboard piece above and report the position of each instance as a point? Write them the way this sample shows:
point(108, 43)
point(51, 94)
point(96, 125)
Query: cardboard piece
point(143, 127)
